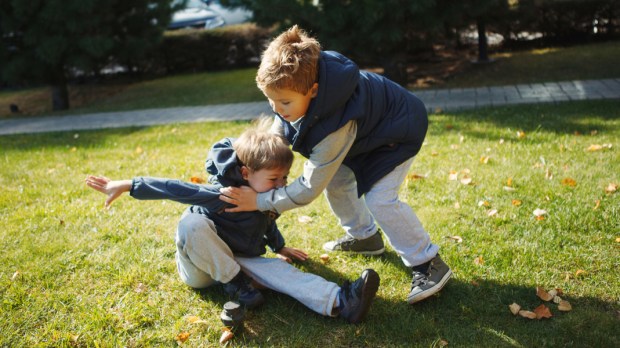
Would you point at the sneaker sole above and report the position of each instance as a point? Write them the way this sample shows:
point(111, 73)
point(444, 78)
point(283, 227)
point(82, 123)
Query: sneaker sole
point(432, 291)
point(367, 253)
point(371, 285)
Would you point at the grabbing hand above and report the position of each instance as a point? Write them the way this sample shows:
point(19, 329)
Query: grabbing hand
point(244, 198)
point(112, 188)
point(288, 254)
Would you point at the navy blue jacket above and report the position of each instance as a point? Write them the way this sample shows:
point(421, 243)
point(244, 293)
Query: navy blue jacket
point(246, 233)
point(391, 121)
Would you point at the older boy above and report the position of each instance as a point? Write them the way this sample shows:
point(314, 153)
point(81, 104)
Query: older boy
point(360, 133)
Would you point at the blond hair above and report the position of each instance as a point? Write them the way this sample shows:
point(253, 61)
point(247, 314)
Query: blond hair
point(290, 62)
point(257, 148)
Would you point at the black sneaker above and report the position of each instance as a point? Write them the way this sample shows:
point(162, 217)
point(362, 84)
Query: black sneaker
point(356, 298)
point(428, 279)
point(370, 246)
point(241, 287)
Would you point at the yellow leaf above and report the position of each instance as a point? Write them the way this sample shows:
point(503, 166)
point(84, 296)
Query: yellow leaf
point(182, 337)
point(197, 180)
point(516, 202)
point(479, 260)
point(520, 134)
point(617, 239)
point(540, 218)
point(15, 275)
point(453, 176)
point(569, 182)
point(564, 306)
point(324, 258)
point(139, 150)
point(528, 314)
point(509, 182)
point(580, 272)
point(484, 204)
point(484, 159)
point(597, 204)
point(514, 308)
point(466, 180)
point(611, 188)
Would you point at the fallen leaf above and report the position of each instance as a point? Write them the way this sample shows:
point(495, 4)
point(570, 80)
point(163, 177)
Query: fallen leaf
point(557, 299)
point(434, 153)
point(453, 176)
point(598, 147)
point(542, 311)
point(442, 343)
point(527, 314)
point(520, 134)
point(548, 174)
point(516, 202)
point(457, 205)
point(501, 141)
point(597, 204)
point(324, 258)
point(540, 218)
point(15, 275)
point(611, 188)
point(227, 335)
point(140, 288)
point(543, 294)
point(509, 182)
point(457, 239)
point(192, 319)
point(580, 273)
point(182, 337)
point(539, 212)
point(304, 219)
point(139, 150)
point(514, 308)
point(484, 159)
point(197, 180)
point(466, 180)
point(479, 260)
point(617, 239)
point(454, 147)
point(564, 306)
point(509, 189)
point(492, 212)
point(553, 292)
point(569, 182)
point(484, 204)
point(415, 176)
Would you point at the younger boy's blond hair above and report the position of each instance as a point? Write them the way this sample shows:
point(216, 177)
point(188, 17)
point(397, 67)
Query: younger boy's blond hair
point(257, 148)
point(290, 62)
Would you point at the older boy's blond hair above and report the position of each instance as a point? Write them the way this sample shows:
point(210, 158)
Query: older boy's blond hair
point(290, 62)
point(257, 148)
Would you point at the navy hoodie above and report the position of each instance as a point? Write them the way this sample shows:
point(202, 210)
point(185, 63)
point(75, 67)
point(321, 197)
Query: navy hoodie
point(246, 233)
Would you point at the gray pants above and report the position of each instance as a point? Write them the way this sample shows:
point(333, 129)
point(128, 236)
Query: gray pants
point(203, 259)
point(357, 215)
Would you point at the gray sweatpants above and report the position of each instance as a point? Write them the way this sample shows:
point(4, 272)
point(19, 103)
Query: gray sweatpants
point(203, 259)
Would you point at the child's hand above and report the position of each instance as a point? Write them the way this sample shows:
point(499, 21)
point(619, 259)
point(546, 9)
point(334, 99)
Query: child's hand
point(112, 188)
point(243, 197)
point(288, 254)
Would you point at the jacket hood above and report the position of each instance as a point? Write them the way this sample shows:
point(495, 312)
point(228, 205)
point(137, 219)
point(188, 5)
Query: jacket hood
point(338, 76)
point(222, 164)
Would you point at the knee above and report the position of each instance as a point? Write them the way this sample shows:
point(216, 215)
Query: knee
point(379, 200)
point(193, 226)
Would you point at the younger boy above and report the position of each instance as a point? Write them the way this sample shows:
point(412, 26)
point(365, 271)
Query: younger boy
point(215, 246)
point(360, 133)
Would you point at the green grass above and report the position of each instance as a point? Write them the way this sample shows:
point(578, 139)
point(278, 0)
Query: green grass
point(74, 274)
point(554, 64)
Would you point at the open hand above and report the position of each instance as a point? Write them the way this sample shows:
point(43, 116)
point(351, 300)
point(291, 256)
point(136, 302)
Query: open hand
point(112, 188)
point(244, 198)
point(289, 254)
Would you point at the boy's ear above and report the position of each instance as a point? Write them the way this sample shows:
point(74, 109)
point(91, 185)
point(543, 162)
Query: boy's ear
point(245, 172)
point(314, 89)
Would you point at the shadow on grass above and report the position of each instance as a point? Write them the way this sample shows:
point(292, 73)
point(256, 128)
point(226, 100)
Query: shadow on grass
point(464, 313)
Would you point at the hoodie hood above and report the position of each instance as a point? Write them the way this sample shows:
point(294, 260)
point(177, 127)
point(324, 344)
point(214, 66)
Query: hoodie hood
point(223, 166)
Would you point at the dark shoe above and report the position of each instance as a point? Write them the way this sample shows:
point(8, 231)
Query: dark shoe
point(356, 298)
point(428, 279)
point(370, 246)
point(241, 287)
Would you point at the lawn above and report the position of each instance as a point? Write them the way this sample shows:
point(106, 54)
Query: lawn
point(75, 274)
point(591, 61)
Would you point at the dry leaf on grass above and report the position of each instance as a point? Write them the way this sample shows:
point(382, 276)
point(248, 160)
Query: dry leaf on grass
point(324, 258)
point(227, 335)
point(528, 314)
point(457, 239)
point(542, 311)
point(453, 176)
point(304, 219)
point(492, 212)
point(521, 134)
point(479, 261)
point(611, 188)
point(543, 294)
point(569, 182)
point(598, 147)
point(182, 337)
point(516, 202)
point(197, 180)
point(466, 180)
point(564, 306)
point(514, 308)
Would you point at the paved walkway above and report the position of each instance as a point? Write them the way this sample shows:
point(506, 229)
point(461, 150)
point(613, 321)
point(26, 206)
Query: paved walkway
point(439, 99)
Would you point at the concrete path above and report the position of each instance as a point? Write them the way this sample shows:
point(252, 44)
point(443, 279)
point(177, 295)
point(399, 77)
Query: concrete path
point(435, 100)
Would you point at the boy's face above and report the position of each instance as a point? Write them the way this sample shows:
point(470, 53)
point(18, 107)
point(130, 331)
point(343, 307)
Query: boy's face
point(289, 104)
point(265, 179)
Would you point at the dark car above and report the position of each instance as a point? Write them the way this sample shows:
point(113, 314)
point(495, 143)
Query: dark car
point(196, 14)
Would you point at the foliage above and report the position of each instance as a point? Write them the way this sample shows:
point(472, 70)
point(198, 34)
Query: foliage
point(74, 274)
point(50, 40)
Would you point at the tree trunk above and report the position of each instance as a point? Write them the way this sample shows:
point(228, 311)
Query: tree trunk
point(483, 54)
point(60, 94)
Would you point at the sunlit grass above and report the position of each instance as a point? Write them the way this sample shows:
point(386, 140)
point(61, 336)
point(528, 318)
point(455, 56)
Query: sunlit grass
point(74, 274)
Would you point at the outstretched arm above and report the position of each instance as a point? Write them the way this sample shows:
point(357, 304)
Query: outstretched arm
point(112, 188)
